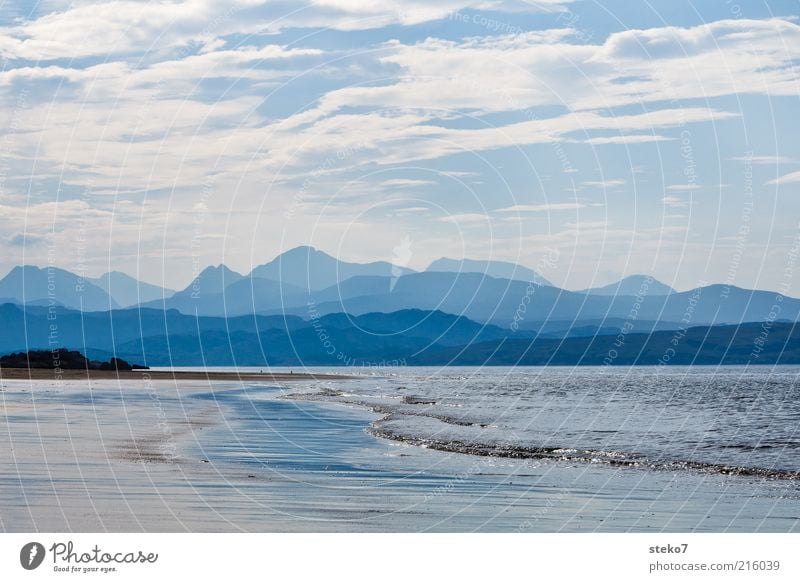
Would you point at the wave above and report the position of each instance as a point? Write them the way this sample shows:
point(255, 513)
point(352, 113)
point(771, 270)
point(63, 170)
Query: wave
point(612, 458)
point(339, 397)
point(408, 407)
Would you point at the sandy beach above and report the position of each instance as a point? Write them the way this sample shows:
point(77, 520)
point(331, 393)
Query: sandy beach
point(170, 453)
point(141, 375)
point(116, 452)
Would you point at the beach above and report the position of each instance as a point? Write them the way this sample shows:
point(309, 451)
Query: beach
point(159, 374)
point(134, 453)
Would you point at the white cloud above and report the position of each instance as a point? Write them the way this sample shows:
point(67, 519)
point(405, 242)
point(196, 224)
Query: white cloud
point(405, 183)
point(604, 183)
point(678, 43)
point(520, 71)
point(774, 160)
point(623, 139)
point(465, 218)
point(104, 28)
point(675, 202)
point(457, 174)
point(124, 27)
point(791, 178)
point(127, 112)
point(148, 99)
point(551, 207)
point(411, 210)
point(684, 187)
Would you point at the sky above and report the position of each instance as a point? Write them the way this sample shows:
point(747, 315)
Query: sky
point(589, 140)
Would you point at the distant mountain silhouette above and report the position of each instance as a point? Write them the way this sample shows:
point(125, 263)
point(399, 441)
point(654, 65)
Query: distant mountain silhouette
point(170, 338)
point(312, 270)
point(433, 326)
point(360, 286)
point(380, 287)
point(211, 281)
point(412, 337)
point(371, 338)
point(496, 269)
point(127, 291)
point(501, 301)
point(53, 286)
point(461, 294)
point(633, 285)
point(203, 295)
point(744, 344)
point(718, 345)
point(29, 327)
point(588, 327)
point(244, 295)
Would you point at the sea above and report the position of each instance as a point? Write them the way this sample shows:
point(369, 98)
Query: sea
point(523, 449)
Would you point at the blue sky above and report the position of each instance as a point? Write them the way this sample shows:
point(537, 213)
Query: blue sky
point(625, 137)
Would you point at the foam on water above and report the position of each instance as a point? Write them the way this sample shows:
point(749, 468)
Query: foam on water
point(730, 421)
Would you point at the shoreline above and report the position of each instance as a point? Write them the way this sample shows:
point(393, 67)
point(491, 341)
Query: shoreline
point(50, 374)
point(169, 457)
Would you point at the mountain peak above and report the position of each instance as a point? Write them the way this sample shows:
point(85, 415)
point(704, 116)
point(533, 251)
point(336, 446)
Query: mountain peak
point(311, 269)
point(491, 268)
point(128, 290)
point(30, 285)
point(633, 285)
point(303, 253)
point(220, 269)
point(22, 269)
point(302, 249)
point(211, 281)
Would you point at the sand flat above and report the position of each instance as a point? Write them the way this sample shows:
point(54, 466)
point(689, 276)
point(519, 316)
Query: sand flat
point(101, 455)
point(46, 374)
point(124, 455)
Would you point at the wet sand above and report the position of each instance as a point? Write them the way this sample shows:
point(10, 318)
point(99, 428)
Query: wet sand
point(204, 452)
point(161, 455)
point(100, 453)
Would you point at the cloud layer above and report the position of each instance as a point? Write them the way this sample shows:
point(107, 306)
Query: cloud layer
point(127, 115)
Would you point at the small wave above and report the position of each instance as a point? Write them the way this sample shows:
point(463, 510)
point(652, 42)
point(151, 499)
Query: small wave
point(417, 400)
point(328, 392)
point(395, 408)
point(382, 407)
point(612, 458)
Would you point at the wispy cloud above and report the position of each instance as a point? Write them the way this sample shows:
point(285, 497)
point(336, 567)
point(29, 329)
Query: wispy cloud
point(772, 160)
point(791, 178)
point(675, 202)
point(466, 218)
point(684, 187)
point(629, 139)
point(604, 183)
point(406, 183)
point(551, 207)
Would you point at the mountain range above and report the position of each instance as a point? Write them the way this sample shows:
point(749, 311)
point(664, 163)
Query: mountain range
point(496, 269)
point(633, 285)
point(309, 269)
point(51, 286)
point(127, 291)
point(408, 337)
point(305, 281)
point(306, 307)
